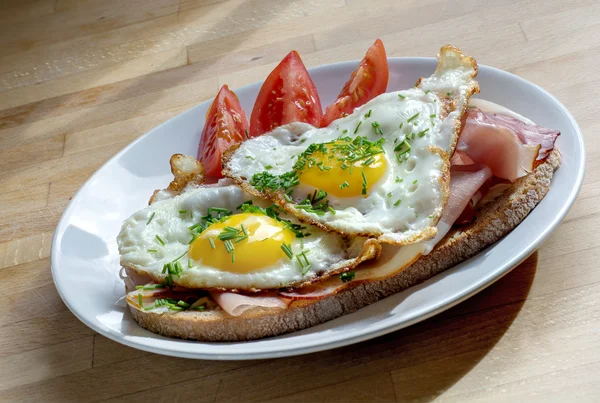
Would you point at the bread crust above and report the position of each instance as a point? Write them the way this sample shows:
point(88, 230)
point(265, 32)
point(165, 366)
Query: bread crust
point(493, 222)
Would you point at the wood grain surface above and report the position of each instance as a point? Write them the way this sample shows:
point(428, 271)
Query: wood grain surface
point(79, 80)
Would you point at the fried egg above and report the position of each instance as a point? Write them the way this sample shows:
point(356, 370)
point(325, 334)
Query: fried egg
point(217, 236)
point(382, 171)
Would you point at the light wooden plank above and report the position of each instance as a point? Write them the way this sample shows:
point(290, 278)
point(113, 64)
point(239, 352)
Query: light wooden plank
point(26, 249)
point(118, 132)
point(108, 352)
point(48, 148)
point(41, 302)
point(69, 23)
point(128, 377)
point(562, 23)
point(45, 363)
point(32, 334)
point(27, 276)
point(580, 384)
point(138, 97)
point(93, 78)
point(374, 388)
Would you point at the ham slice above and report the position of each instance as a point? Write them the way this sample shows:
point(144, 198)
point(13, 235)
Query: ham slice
point(510, 147)
point(236, 304)
point(465, 181)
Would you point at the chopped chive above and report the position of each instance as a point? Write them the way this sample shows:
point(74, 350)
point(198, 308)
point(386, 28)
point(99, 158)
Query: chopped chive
point(159, 239)
point(376, 127)
point(199, 308)
point(399, 179)
point(448, 93)
point(151, 217)
point(401, 96)
point(250, 157)
point(422, 132)
point(189, 263)
point(427, 92)
point(287, 250)
point(412, 136)
point(401, 124)
point(364, 183)
point(140, 300)
point(182, 211)
point(212, 243)
point(269, 167)
point(244, 229)
point(183, 304)
point(389, 194)
point(344, 131)
point(152, 250)
point(413, 117)
point(357, 126)
point(433, 115)
point(397, 203)
point(139, 287)
point(331, 210)
point(232, 256)
point(347, 276)
point(344, 185)
point(415, 181)
point(368, 114)
point(182, 255)
point(246, 133)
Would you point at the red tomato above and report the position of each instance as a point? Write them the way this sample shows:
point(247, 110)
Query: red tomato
point(287, 95)
point(366, 82)
point(226, 124)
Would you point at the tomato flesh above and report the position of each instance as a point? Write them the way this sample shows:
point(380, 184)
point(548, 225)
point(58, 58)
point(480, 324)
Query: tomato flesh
point(366, 82)
point(225, 125)
point(287, 95)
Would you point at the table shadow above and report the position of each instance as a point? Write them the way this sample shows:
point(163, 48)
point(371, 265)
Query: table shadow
point(425, 360)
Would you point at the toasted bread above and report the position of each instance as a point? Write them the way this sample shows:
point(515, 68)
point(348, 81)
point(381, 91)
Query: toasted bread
point(494, 221)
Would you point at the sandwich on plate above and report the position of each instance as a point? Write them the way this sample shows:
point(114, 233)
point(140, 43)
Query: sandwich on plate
point(300, 216)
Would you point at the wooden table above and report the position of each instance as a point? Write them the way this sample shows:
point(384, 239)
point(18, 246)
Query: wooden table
point(81, 79)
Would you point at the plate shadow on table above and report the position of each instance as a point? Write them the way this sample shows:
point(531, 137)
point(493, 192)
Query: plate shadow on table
point(425, 360)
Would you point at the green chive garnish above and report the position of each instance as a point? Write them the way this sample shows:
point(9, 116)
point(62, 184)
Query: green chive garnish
point(357, 126)
point(159, 239)
point(401, 96)
point(287, 250)
point(397, 203)
point(212, 243)
point(151, 217)
point(182, 211)
point(413, 117)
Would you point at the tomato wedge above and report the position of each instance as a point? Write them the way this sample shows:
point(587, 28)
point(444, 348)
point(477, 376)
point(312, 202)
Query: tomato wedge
point(225, 125)
point(366, 82)
point(287, 95)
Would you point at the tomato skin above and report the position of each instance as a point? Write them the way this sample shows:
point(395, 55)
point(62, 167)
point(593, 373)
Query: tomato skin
point(287, 95)
point(225, 125)
point(369, 80)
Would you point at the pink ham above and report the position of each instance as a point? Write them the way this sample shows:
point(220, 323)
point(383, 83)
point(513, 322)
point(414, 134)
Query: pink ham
point(510, 147)
point(465, 181)
point(236, 304)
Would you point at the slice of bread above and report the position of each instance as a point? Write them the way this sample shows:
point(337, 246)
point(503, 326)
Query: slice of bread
point(494, 220)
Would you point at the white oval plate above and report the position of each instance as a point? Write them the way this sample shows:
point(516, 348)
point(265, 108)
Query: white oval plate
point(85, 260)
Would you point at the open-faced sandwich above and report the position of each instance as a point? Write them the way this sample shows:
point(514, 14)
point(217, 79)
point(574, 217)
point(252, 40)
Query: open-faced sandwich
point(301, 216)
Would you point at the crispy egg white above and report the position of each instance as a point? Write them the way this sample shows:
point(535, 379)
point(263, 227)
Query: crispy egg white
point(162, 233)
point(397, 191)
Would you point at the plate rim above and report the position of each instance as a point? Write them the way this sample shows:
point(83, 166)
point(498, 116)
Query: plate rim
point(433, 310)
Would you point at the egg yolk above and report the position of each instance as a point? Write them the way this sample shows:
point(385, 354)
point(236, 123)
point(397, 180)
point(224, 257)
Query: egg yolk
point(254, 246)
point(330, 172)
